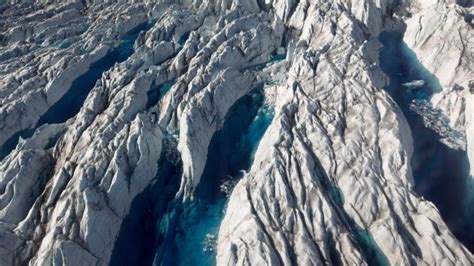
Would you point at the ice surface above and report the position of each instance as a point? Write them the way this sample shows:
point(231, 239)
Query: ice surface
point(441, 173)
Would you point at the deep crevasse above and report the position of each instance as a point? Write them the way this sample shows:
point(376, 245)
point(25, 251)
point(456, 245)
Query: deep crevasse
point(331, 178)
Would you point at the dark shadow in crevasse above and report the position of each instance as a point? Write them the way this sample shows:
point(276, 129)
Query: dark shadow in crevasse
point(189, 239)
point(441, 173)
point(136, 242)
point(71, 102)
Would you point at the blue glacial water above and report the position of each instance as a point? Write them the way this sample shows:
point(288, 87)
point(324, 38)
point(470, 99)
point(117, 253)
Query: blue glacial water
point(362, 237)
point(155, 94)
point(278, 57)
point(67, 43)
point(182, 40)
point(136, 243)
point(71, 40)
point(440, 173)
point(188, 236)
point(70, 104)
point(275, 57)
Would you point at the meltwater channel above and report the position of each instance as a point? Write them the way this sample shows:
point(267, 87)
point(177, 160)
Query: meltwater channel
point(162, 230)
point(70, 104)
point(441, 174)
point(230, 153)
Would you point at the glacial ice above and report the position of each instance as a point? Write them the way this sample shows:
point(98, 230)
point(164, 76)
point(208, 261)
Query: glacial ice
point(332, 167)
point(230, 152)
point(71, 102)
point(441, 171)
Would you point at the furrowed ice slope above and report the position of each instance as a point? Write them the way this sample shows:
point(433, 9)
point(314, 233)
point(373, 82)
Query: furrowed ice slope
point(441, 35)
point(331, 181)
point(36, 74)
point(76, 210)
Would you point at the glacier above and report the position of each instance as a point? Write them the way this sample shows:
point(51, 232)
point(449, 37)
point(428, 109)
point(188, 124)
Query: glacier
point(236, 132)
